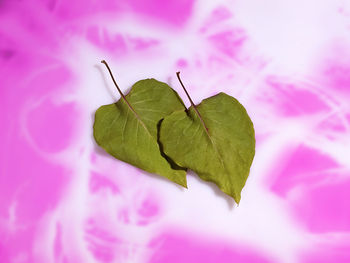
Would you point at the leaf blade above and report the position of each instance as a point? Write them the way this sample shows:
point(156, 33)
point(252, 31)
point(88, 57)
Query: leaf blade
point(130, 133)
point(224, 153)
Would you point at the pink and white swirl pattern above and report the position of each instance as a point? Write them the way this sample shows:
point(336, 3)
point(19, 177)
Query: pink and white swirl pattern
point(64, 200)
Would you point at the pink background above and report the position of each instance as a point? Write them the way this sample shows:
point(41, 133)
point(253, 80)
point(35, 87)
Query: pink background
point(63, 200)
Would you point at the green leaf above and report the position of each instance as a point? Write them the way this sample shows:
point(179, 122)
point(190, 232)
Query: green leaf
point(214, 139)
point(128, 129)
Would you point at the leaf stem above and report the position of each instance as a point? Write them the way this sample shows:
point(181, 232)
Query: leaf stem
point(194, 106)
point(119, 90)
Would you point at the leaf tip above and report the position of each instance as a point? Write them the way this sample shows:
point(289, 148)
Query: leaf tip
point(183, 182)
point(237, 199)
point(185, 185)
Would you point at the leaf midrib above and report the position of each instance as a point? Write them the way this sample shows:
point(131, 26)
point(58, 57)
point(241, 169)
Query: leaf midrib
point(212, 142)
point(138, 118)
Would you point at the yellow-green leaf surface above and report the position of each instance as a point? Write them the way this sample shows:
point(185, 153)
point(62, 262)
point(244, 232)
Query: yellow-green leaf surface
point(128, 129)
point(218, 142)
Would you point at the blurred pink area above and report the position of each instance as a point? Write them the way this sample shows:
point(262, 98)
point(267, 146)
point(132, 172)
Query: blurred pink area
point(64, 200)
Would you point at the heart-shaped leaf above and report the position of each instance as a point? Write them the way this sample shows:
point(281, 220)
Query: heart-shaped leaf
point(128, 129)
point(214, 139)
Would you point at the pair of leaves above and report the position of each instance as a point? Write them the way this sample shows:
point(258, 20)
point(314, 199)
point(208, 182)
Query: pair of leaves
point(150, 128)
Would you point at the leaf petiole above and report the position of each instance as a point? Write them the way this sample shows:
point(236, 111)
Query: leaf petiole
point(119, 90)
point(194, 106)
